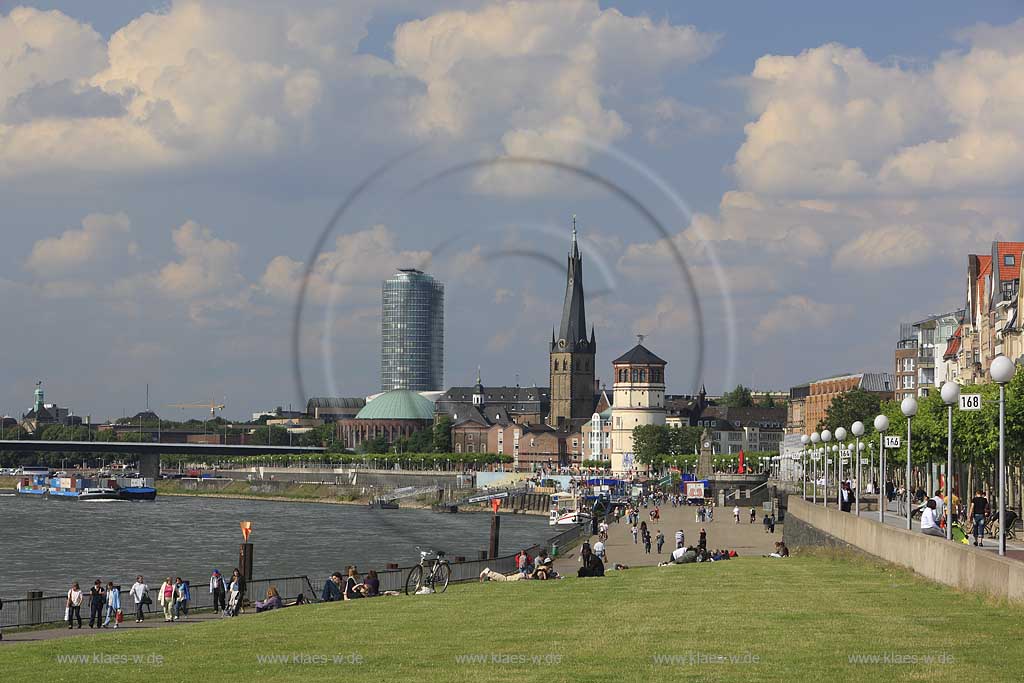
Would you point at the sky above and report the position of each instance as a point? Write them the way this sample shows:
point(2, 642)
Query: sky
point(764, 190)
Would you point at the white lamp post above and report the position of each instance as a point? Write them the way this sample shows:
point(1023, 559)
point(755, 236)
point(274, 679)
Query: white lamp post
point(858, 431)
point(1002, 371)
point(909, 409)
point(881, 425)
point(826, 436)
point(815, 439)
point(804, 440)
point(840, 437)
point(950, 393)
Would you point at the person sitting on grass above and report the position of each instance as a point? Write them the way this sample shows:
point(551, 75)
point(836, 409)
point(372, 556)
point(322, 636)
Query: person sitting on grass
point(592, 564)
point(682, 555)
point(780, 550)
point(372, 584)
point(332, 588)
point(273, 601)
point(488, 575)
point(543, 569)
point(354, 588)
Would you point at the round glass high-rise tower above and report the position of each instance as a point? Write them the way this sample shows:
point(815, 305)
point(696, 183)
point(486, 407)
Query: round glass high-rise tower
point(412, 332)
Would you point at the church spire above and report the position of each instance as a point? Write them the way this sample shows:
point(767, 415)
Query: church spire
point(573, 329)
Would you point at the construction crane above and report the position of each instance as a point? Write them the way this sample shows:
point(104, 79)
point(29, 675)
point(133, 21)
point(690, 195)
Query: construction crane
point(212, 406)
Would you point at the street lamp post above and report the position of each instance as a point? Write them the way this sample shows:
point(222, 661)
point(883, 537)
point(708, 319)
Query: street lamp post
point(826, 436)
point(840, 437)
point(815, 439)
point(858, 431)
point(881, 425)
point(1002, 370)
point(950, 393)
point(909, 409)
point(804, 439)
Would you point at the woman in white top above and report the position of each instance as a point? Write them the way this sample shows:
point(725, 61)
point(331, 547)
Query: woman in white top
point(74, 605)
point(928, 521)
point(140, 592)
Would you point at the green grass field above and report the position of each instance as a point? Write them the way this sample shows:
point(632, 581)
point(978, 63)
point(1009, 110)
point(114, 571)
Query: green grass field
point(781, 620)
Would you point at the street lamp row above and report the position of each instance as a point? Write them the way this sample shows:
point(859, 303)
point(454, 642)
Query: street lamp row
point(1001, 370)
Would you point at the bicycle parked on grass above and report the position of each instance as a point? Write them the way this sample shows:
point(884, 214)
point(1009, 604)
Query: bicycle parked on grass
point(433, 573)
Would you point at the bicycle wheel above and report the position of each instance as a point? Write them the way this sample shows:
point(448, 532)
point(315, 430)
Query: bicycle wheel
point(442, 573)
point(414, 580)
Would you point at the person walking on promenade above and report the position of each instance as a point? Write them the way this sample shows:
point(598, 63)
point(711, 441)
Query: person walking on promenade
point(74, 605)
point(679, 538)
point(660, 540)
point(140, 593)
point(235, 595)
point(634, 530)
point(166, 598)
point(736, 513)
point(113, 604)
point(977, 514)
point(219, 592)
point(710, 515)
point(647, 542)
point(239, 581)
point(182, 596)
point(753, 515)
point(97, 599)
point(766, 522)
point(702, 542)
point(771, 523)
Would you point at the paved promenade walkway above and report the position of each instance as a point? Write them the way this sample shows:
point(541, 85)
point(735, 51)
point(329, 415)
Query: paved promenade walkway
point(153, 620)
point(745, 538)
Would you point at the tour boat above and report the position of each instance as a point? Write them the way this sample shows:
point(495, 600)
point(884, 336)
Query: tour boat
point(567, 508)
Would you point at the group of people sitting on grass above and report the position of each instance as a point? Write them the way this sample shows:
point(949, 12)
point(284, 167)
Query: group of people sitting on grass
point(684, 555)
point(350, 587)
point(539, 568)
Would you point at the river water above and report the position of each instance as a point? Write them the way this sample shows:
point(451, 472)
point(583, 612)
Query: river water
point(44, 544)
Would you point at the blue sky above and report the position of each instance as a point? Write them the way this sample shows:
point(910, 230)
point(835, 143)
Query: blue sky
point(165, 177)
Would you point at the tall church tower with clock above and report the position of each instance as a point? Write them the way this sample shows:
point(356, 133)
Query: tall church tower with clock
point(571, 362)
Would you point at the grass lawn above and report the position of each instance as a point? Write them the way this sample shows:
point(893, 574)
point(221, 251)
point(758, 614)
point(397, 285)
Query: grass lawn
point(801, 619)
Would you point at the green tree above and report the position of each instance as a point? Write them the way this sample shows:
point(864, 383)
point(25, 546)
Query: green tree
point(442, 435)
point(768, 402)
point(848, 407)
point(740, 397)
point(278, 436)
point(650, 442)
point(683, 440)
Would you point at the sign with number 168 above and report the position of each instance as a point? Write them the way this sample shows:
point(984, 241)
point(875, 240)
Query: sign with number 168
point(970, 401)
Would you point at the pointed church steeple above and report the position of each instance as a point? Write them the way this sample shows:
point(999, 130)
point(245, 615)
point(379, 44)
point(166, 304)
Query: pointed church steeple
point(572, 330)
point(572, 368)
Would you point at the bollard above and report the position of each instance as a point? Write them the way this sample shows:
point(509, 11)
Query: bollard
point(35, 608)
point(245, 560)
point(495, 528)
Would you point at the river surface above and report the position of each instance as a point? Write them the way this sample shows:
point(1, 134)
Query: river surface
point(46, 544)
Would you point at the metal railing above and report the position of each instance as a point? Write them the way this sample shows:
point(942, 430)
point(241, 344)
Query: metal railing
point(50, 608)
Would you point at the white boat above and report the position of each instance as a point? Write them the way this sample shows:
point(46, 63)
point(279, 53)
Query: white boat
point(567, 509)
point(98, 494)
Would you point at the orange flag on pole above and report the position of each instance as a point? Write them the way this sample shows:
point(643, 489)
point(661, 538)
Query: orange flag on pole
point(495, 504)
point(246, 530)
